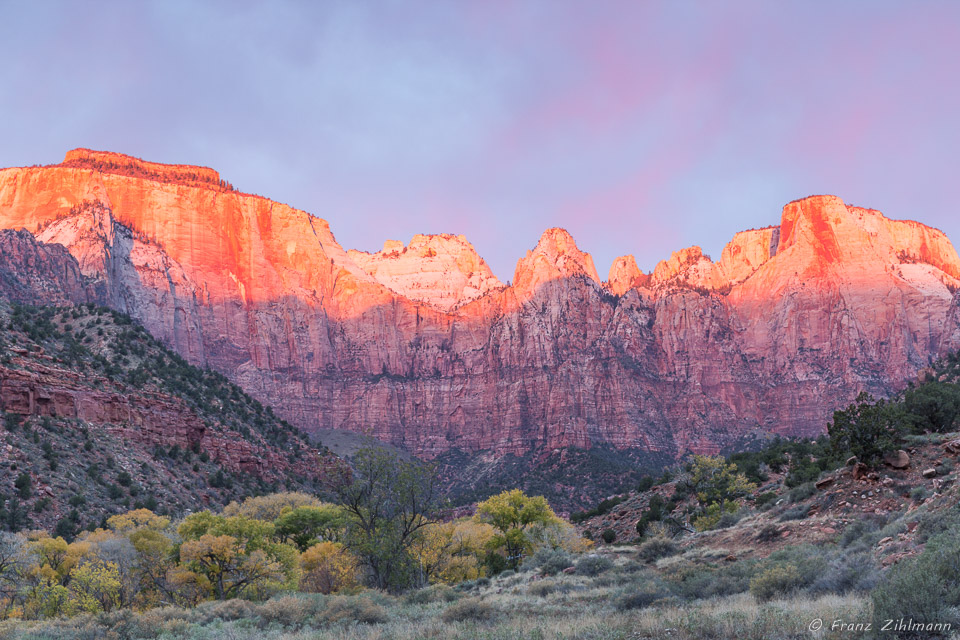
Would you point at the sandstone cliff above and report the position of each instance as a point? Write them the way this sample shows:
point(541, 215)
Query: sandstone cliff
point(793, 320)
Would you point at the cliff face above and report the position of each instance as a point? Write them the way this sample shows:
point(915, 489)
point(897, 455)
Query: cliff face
point(420, 345)
point(443, 270)
point(31, 271)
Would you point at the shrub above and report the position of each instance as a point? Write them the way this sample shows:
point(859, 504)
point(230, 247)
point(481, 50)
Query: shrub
point(24, 484)
point(795, 513)
point(846, 573)
point(937, 523)
point(656, 548)
point(862, 533)
point(347, 609)
point(433, 593)
point(641, 598)
point(698, 583)
point(766, 499)
point(466, 585)
point(608, 535)
point(802, 492)
point(543, 588)
point(549, 561)
point(226, 610)
point(470, 609)
point(768, 533)
point(289, 611)
point(712, 515)
point(925, 589)
point(776, 581)
point(593, 565)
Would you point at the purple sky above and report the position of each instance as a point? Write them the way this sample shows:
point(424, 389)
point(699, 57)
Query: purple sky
point(641, 127)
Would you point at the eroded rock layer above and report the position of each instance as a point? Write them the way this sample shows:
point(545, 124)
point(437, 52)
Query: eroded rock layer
point(420, 345)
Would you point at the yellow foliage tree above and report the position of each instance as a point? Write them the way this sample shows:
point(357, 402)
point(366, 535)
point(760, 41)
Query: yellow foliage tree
point(130, 521)
point(270, 507)
point(95, 586)
point(230, 566)
point(451, 552)
point(514, 515)
point(327, 567)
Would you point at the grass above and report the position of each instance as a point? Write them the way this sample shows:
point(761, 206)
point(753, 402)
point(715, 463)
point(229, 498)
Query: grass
point(620, 603)
point(573, 615)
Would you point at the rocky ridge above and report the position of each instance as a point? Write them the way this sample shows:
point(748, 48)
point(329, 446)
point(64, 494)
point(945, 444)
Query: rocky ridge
point(793, 320)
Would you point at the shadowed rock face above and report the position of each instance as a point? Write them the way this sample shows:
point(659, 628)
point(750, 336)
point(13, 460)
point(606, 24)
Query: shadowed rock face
point(793, 321)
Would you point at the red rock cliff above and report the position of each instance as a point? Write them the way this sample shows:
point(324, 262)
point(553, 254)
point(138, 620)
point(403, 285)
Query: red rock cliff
point(793, 320)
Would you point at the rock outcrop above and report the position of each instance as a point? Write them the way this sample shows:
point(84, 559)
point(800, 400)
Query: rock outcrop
point(31, 271)
point(443, 270)
point(421, 346)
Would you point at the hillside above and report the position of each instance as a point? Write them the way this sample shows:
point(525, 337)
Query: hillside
point(98, 417)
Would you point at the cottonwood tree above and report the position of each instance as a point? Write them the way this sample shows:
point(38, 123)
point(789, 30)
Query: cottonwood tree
point(306, 526)
point(238, 555)
point(388, 502)
point(515, 515)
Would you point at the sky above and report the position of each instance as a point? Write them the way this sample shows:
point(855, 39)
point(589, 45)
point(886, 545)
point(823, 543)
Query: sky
point(640, 127)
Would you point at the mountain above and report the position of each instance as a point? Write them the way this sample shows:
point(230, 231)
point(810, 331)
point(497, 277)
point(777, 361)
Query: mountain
point(97, 412)
point(421, 346)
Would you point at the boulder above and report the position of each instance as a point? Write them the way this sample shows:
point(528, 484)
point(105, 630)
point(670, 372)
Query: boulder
point(860, 471)
point(929, 473)
point(899, 459)
point(823, 483)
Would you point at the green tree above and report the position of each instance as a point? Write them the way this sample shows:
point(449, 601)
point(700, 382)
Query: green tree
point(514, 514)
point(714, 480)
point(933, 406)
point(24, 485)
point(387, 503)
point(868, 429)
point(306, 526)
point(239, 555)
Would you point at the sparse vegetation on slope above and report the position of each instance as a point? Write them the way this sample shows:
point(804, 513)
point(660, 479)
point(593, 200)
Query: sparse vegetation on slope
point(98, 418)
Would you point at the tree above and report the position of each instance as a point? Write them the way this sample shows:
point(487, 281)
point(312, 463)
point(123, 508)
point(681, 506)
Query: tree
point(127, 523)
point(155, 561)
point(388, 502)
point(24, 485)
point(933, 406)
point(306, 526)
point(95, 586)
point(271, 506)
point(514, 514)
point(13, 564)
point(714, 480)
point(230, 567)
point(238, 555)
point(868, 429)
point(327, 567)
point(118, 552)
point(452, 552)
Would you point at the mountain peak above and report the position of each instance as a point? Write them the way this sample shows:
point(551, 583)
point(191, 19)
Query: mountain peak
point(442, 270)
point(555, 256)
point(625, 275)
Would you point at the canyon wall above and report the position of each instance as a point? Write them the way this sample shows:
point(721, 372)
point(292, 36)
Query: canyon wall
point(420, 345)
